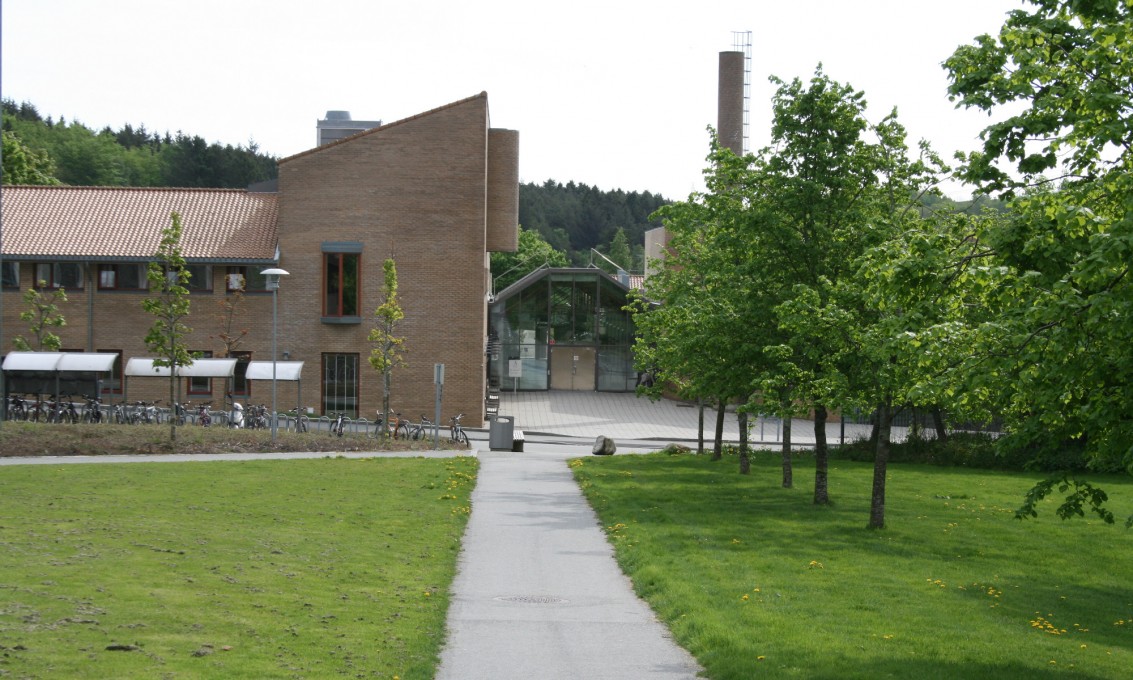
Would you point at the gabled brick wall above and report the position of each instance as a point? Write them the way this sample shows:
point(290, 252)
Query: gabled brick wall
point(416, 191)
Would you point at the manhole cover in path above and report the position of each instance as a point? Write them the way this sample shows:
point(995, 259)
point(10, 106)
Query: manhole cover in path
point(533, 599)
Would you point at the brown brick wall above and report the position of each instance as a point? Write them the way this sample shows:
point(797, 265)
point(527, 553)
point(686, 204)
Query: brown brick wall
point(414, 191)
point(503, 190)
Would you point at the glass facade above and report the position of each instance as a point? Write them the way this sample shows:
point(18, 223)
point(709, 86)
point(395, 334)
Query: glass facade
point(562, 329)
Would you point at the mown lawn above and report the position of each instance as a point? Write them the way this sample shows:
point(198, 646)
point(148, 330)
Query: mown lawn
point(756, 581)
point(261, 569)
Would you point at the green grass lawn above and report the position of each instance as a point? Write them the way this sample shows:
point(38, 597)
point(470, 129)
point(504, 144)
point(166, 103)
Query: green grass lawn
point(756, 581)
point(262, 569)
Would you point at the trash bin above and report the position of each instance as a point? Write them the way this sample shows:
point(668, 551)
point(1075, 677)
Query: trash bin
point(501, 430)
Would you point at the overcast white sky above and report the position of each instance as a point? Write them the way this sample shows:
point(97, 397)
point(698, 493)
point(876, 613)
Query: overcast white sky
point(614, 94)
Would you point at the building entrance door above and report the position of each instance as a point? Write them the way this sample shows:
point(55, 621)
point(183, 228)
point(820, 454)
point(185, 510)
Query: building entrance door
point(573, 368)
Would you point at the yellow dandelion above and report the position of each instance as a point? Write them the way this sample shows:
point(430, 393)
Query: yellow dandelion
point(744, 598)
point(760, 658)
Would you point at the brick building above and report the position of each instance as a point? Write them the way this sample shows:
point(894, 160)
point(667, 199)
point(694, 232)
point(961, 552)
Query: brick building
point(436, 192)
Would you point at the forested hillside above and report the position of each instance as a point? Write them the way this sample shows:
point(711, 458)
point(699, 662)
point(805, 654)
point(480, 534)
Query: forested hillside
point(77, 155)
point(574, 218)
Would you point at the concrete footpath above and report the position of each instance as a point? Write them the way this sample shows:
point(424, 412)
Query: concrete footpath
point(538, 593)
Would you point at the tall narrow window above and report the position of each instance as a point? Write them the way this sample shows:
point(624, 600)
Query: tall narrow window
point(340, 384)
point(340, 284)
point(11, 275)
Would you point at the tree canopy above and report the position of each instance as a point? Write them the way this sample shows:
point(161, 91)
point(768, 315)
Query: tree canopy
point(46, 151)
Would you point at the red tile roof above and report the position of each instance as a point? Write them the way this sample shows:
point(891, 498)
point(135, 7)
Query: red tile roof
point(109, 223)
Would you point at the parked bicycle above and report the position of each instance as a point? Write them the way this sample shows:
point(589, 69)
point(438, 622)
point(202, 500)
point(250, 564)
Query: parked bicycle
point(398, 427)
point(92, 411)
point(62, 411)
point(204, 418)
point(18, 408)
point(338, 425)
point(145, 412)
point(456, 431)
point(421, 429)
point(256, 417)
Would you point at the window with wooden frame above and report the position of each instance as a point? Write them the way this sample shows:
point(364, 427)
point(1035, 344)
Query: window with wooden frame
point(342, 282)
point(122, 277)
point(66, 275)
point(200, 278)
point(247, 279)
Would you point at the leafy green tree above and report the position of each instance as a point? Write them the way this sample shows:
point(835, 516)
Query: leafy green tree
point(388, 348)
point(26, 166)
point(533, 252)
point(1062, 345)
point(168, 281)
point(42, 314)
point(706, 333)
point(824, 183)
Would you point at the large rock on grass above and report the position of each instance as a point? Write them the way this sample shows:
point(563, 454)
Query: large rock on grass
point(604, 446)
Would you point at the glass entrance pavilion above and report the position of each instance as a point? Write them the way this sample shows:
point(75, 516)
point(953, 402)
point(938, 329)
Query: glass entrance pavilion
point(562, 329)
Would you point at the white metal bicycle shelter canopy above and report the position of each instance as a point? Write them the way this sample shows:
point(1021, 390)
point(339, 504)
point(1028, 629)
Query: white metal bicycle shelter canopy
point(57, 373)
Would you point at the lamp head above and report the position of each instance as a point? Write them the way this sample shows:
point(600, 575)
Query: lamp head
point(272, 276)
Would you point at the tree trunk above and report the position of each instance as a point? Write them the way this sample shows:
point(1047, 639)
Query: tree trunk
point(718, 445)
point(788, 471)
point(387, 380)
point(821, 461)
point(173, 380)
point(938, 423)
point(700, 426)
point(745, 461)
point(880, 461)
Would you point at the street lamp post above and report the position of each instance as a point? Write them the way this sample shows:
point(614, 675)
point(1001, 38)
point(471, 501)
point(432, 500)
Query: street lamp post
point(273, 275)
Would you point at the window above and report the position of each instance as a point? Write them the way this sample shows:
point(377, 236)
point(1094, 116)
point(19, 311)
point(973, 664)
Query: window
point(112, 384)
point(340, 384)
point(247, 279)
point(342, 282)
point(67, 275)
point(11, 274)
point(241, 387)
point(122, 277)
point(200, 277)
point(199, 385)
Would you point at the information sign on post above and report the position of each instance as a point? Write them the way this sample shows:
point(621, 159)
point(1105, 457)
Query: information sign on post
point(439, 381)
point(515, 372)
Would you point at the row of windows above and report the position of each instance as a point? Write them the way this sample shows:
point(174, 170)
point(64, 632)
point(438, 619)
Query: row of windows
point(341, 279)
point(69, 276)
